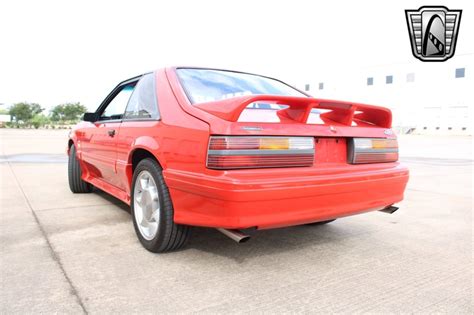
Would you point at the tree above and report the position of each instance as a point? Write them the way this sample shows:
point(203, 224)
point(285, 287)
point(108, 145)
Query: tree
point(74, 111)
point(39, 120)
point(36, 109)
point(57, 113)
point(24, 112)
point(68, 112)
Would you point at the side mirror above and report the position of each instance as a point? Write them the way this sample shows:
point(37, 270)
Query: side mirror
point(92, 117)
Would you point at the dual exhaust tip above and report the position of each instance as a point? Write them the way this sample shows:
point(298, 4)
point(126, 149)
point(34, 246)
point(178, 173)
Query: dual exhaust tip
point(235, 235)
point(389, 209)
point(240, 237)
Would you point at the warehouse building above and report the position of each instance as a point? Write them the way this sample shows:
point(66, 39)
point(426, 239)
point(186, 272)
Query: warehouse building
point(425, 97)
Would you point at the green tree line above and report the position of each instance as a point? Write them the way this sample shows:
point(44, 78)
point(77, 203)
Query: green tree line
point(32, 114)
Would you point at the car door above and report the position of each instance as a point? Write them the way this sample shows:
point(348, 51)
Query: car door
point(99, 140)
point(140, 120)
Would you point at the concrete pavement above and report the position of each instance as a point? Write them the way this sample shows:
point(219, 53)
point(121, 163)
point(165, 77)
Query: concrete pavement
point(69, 253)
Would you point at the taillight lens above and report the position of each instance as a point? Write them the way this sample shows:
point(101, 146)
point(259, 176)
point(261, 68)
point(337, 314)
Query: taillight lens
point(373, 150)
point(235, 152)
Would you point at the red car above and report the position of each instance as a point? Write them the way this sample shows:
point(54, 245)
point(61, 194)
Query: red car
point(233, 151)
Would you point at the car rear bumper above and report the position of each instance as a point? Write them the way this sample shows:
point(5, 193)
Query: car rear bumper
point(283, 197)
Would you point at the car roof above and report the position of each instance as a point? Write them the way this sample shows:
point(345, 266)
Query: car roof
point(136, 78)
point(198, 68)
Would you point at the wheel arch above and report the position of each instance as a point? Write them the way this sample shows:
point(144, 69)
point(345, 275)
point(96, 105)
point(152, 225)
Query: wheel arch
point(139, 154)
point(70, 143)
point(136, 155)
point(146, 145)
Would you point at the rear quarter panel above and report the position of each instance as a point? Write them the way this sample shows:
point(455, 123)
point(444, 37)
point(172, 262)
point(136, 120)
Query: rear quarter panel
point(178, 140)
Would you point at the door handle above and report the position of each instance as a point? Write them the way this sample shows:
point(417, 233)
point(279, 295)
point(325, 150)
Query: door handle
point(111, 132)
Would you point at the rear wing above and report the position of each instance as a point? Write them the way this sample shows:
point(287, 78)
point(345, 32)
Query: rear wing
point(299, 109)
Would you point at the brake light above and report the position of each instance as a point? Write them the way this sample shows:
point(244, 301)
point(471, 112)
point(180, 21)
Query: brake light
point(236, 152)
point(369, 150)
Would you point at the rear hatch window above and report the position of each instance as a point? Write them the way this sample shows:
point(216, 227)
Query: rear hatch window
point(208, 85)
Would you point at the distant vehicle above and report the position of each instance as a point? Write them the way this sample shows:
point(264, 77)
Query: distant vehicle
point(233, 151)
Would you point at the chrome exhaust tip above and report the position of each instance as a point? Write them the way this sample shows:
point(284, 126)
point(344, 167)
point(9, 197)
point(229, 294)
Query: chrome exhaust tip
point(235, 235)
point(389, 209)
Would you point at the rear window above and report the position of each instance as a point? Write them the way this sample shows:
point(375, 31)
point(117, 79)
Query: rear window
point(207, 85)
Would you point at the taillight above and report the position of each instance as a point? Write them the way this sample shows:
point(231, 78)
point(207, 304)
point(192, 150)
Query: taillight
point(234, 152)
point(372, 150)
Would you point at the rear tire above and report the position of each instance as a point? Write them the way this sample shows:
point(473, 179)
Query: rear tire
point(321, 222)
point(76, 184)
point(152, 210)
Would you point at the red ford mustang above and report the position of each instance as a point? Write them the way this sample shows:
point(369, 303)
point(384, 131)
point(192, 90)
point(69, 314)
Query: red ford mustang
point(234, 151)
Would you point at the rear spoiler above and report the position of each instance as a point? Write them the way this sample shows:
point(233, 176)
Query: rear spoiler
point(299, 109)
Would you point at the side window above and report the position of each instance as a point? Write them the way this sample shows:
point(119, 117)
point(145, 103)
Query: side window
point(116, 107)
point(143, 103)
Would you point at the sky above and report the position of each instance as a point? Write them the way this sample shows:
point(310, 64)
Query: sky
point(53, 52)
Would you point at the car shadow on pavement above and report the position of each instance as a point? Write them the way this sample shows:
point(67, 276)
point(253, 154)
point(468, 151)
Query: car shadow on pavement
point(263, 243)
point(111, 199)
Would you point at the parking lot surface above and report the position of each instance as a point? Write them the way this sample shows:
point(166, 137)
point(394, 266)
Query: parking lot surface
point(69, 253)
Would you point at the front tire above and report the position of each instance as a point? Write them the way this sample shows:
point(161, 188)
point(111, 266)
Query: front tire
point(152, 210)
point(76, 184)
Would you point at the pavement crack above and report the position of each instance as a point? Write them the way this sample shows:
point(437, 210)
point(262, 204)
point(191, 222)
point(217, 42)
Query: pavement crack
point(79, 207)
point(53, 253)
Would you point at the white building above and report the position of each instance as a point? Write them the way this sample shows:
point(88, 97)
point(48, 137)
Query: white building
point(425, 97)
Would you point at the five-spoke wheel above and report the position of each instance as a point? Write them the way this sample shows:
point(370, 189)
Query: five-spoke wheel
point(147, 205)
point(152, 210)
